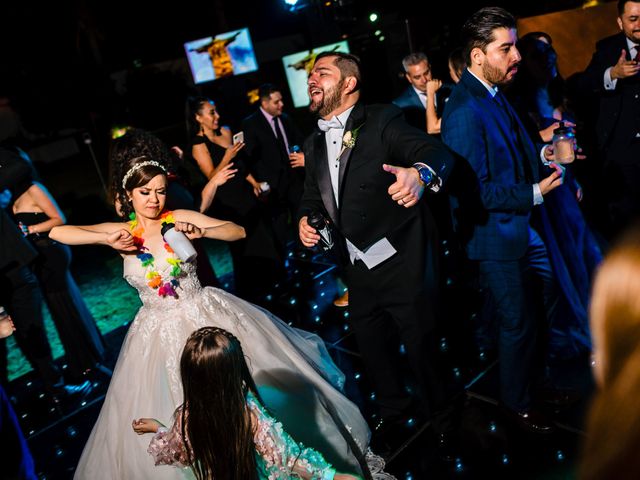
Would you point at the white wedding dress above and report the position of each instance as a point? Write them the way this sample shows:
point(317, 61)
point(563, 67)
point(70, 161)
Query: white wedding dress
point(297, 379)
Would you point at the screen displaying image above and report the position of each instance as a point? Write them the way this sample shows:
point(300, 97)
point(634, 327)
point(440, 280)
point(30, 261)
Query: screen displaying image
point(298, 65)
point(224, 55)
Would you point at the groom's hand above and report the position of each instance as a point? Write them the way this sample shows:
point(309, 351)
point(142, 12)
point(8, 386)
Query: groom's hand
point(408, 188)
point(308, 235)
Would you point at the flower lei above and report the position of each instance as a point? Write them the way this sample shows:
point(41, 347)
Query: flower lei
point(155, 280)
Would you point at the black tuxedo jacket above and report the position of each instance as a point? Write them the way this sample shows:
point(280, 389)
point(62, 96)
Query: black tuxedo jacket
point(267, 162)
point(618, 120)
point(366, 213)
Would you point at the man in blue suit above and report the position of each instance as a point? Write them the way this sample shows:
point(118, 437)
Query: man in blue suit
point(513, 176)
point(413, 100)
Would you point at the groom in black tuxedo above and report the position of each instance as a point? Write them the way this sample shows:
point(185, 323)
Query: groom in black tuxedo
point(366, 171)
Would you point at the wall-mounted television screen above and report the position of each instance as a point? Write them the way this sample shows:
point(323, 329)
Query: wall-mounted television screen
point(224, 55)
point(298, 65)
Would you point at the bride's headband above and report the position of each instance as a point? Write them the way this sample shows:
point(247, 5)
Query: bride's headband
point(137, 167)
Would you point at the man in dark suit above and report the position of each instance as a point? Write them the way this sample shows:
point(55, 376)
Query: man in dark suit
point(272, 145)
point(361, 156)
point(19, 291)
point(413, 100)
point(614, 76)
point(481, 126)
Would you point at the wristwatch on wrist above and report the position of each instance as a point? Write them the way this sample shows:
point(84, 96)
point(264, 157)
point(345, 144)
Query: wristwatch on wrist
point(428, 177)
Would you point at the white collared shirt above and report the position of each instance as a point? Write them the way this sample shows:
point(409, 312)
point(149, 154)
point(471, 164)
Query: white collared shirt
point(269, 118)
point(382, 249)
point(422, 96)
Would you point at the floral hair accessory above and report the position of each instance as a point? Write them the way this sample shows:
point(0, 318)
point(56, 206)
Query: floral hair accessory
point(137, 167)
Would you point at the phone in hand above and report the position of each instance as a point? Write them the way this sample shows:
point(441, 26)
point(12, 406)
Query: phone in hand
point(238, 138)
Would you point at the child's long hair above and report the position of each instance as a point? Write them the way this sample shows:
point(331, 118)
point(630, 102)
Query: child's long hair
point(215, 380)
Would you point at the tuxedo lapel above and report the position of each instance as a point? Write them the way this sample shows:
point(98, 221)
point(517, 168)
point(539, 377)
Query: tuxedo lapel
point(324, 177)
point(355, 121)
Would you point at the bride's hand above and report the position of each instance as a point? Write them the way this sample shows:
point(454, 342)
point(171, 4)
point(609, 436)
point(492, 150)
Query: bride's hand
point(121, 240)
point(146, 425)
point(190, 230)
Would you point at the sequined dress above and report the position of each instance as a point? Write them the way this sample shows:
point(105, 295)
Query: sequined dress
point(292, 369)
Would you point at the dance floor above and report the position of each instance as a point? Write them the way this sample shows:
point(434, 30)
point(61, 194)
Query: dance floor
point(489, 446)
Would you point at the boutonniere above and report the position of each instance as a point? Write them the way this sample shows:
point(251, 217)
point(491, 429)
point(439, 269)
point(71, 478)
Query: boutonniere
point(349, 138)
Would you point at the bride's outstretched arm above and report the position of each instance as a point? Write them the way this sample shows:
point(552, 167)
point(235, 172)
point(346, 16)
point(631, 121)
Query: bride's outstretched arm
point(115, 235)
point(212, 227)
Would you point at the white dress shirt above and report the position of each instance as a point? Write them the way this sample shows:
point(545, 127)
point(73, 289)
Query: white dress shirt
point(269, 118)
point(381, 250)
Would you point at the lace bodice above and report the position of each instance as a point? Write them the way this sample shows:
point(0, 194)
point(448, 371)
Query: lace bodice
point(135, 275)
point(278, 455)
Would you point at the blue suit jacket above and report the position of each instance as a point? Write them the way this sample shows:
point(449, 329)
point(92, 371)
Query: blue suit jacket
point(411, 106)
point(502, 156)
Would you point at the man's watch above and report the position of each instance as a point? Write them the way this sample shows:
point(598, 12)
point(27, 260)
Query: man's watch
point(428, 177)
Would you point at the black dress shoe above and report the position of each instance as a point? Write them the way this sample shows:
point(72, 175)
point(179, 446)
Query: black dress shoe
point(81, 390)
point(531, 421)
point(71, 391)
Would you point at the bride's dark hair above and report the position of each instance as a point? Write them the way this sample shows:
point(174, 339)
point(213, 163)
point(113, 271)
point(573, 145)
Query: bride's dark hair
point(134, 147)
point(215, 418)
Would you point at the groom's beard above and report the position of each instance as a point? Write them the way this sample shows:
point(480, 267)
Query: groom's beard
point(331, 100)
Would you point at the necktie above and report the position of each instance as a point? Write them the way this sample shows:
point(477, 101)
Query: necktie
point(280, 136)
point(637, 57)
point(326, 125)
point(523, 167)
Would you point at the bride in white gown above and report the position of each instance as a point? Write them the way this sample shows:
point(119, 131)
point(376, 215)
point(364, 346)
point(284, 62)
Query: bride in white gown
point(297, 379)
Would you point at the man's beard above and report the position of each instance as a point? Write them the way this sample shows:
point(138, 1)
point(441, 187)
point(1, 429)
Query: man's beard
point(331, 100)
point(494, 75)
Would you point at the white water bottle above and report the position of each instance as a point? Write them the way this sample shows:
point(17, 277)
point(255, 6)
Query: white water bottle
point(178, 242)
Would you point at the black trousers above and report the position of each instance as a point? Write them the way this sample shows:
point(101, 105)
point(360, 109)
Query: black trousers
point(80, 337)
point(395, 296)
point(22, 298)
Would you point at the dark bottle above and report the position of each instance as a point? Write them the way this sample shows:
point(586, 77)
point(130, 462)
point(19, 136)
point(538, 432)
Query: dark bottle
point(317, 221)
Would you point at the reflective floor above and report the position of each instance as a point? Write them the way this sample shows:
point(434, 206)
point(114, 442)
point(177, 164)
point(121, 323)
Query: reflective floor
point(488, 445)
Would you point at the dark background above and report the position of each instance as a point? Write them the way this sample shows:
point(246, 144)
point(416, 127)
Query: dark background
point(58, 59)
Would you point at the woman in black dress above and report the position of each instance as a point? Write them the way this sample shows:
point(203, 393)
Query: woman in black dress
point(36, 212)
point(256, 258)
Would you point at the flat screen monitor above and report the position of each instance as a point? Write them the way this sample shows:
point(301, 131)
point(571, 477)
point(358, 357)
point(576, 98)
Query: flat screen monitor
point(224, 55)
point(298, 65)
